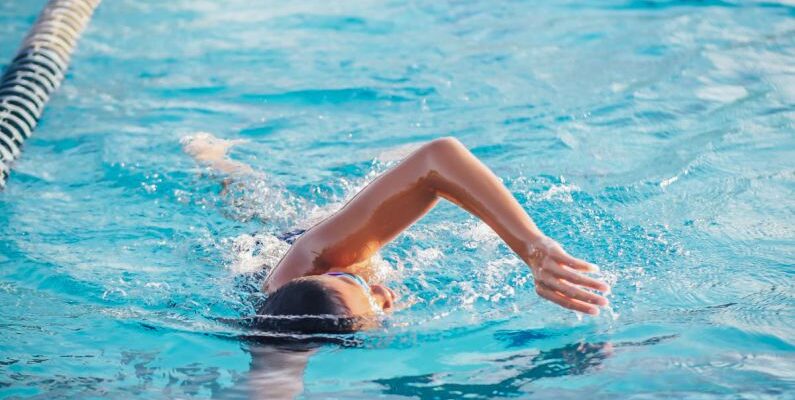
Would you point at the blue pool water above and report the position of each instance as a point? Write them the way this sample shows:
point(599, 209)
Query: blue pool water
point(654, 138)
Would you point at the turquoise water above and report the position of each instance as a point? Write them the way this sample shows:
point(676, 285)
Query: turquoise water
point(652, 138)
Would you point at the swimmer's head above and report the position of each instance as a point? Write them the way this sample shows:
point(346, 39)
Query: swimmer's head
point(359, 298)
point(324, 303)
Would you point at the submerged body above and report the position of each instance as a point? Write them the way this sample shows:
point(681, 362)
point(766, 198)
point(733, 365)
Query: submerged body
point(329, 257)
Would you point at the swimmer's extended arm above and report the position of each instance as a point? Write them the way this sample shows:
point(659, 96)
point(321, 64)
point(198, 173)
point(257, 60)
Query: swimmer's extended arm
point(443, 168)
point(212, 151)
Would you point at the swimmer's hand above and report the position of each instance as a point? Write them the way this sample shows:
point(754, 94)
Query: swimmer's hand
point(212, 151)
point(559, 277)
point(204, 146)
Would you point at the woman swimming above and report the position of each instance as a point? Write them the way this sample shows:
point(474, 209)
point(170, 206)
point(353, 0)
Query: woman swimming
point(326, 270)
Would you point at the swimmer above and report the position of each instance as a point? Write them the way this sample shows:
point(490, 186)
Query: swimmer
point(326, 271)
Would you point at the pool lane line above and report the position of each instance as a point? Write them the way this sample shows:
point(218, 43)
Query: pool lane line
point(36, 71)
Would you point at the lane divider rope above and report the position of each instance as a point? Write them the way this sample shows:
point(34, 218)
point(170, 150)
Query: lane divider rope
point(36, 71)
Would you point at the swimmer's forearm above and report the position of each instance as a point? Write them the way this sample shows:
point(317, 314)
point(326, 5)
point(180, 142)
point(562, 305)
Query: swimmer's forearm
point(459, 176)
point(455, 174)
point(228, 166)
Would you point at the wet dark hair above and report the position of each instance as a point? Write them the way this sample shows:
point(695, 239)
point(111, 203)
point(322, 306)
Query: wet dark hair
point(304, 306)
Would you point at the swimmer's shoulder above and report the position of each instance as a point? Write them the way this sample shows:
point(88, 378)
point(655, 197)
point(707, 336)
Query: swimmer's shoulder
point(299, 261)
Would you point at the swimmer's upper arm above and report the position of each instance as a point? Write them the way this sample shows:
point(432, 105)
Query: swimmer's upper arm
point(293, 265)
point(372, 218)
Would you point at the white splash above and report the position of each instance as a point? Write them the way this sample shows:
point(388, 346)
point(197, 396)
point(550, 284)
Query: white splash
point(251, 253)
point(722, 93)
point(560, 192)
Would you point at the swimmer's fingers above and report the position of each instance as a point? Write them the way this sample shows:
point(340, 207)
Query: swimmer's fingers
point(574, 292)
point(561, 256)
point(569, 275)
point(560, 271)
point(564, 301)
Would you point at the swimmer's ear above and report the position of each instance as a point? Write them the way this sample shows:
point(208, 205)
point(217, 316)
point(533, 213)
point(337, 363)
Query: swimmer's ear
point(385, 294)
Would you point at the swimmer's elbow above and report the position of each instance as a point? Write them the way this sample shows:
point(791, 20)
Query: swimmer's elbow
point(444, 146)
point(440, 152)
point(439, 156)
